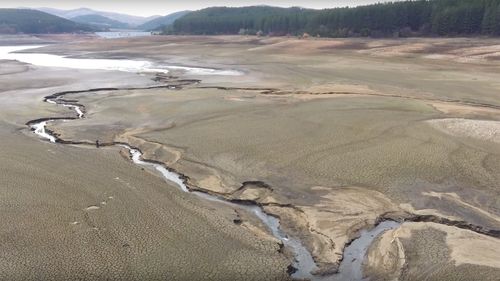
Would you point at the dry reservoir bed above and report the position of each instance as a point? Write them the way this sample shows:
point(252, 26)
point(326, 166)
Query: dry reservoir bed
point(332, 141)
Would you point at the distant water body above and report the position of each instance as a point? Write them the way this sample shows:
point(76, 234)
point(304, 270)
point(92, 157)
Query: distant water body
point(50, 60)
point(122, 34)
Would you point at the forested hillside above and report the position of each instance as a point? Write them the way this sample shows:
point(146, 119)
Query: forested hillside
point(32, 21)
point(407, 18)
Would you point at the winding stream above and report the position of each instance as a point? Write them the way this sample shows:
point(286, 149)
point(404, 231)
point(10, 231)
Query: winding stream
point(304, 262)
point(350, 268)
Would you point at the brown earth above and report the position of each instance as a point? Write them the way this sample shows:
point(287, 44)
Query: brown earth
point(339, 130)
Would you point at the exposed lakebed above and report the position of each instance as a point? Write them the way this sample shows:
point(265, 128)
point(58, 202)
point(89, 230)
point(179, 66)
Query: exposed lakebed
point(351, 267)
point(304, 262)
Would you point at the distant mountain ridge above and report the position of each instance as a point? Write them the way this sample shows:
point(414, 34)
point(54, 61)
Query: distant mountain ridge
point(161, 22)
point(69, 14)
point(36, 22)
point(100, 21)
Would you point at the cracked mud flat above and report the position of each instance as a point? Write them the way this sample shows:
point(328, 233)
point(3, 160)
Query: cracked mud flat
point(232, 132)
point(434, 248)
point(303, 266)
point(118, 223)
point(303, 263)
point(478, 129)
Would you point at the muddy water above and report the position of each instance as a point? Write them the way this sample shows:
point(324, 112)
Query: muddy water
point(351, 267)
point(39, 129)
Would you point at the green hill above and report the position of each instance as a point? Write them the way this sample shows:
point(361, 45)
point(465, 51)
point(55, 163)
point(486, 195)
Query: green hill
point(224, 20)
point(100, 21)
point(161, 22)
point(34, 22)
point(404, 18)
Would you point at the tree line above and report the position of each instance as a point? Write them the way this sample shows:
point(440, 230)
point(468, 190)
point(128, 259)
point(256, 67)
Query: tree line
point(406, 18)
point(32, 22)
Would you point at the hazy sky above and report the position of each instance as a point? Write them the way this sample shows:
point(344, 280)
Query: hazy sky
point(163, 7)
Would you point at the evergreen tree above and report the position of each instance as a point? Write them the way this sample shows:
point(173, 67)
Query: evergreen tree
point(417, 17)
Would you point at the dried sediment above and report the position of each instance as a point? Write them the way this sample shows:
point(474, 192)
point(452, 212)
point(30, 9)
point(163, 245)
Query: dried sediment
point(397, 253)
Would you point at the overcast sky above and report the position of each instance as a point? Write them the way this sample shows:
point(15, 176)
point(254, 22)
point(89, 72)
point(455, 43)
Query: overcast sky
point(163, 7)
